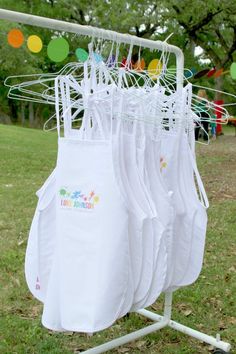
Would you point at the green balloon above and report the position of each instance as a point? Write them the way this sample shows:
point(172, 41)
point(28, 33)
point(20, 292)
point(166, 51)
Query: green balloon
point(81, 54)
point(58, 49)
point(233, 71)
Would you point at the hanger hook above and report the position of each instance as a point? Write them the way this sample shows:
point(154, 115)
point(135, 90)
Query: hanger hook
point(129, 57)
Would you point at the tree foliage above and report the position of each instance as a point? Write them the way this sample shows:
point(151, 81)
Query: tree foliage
point(210, 25)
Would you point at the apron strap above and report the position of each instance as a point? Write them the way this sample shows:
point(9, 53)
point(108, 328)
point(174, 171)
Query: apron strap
point(57, 108)
point(202, 192)
point(66, 103)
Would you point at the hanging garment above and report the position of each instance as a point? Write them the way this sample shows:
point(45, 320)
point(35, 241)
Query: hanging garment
point(92, 235)
point(193, 183)
point(165, 209)
point(199, 215)
point(119, 221)
point(41, 241)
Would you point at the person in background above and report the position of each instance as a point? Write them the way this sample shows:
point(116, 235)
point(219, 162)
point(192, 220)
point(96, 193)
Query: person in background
point(202, 112)
point(213, 128)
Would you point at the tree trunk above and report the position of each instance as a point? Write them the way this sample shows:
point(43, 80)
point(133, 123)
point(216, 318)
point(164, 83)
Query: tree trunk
point(22, 113)
point(192, 46)
point(13, 109)
point(31, 114)
point(38, 116)
point(4, 118)
point(219, 86)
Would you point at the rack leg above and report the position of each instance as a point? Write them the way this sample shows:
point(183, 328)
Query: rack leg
point(189, 331)
point(128, 338)
point(168, 305)
point(161, 322)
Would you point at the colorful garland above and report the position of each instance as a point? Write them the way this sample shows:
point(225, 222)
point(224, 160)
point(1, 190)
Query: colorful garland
point(58, 50)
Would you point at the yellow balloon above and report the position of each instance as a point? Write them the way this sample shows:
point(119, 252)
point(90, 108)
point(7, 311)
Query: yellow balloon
point(154, 68)
point(34, 44)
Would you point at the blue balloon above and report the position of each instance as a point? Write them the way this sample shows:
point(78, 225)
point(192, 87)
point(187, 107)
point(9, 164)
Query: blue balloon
point(97, 57)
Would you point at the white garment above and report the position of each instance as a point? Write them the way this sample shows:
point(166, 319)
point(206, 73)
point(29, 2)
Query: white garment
point(119, 220)
point(41, 241)
point(199, 215)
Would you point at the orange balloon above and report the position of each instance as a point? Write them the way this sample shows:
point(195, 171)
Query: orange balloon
point(218, 73)
point(15, 38)
point(139, 65)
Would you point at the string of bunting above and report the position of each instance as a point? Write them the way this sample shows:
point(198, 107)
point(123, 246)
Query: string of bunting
point(58, 50)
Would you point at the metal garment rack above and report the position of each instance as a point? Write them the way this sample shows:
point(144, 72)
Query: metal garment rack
point(160, 321)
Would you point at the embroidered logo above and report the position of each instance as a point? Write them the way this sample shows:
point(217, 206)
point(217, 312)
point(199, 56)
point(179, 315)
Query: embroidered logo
point(78, 200)
point(37, 285)
point(163, 163)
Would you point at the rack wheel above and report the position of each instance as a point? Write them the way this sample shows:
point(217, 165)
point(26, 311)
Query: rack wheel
point(220, 351)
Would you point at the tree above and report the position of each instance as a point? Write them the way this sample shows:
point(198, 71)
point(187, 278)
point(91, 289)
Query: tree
point(210, 25)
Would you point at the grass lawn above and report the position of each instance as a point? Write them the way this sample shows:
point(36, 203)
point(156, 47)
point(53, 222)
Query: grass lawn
point(27, 157)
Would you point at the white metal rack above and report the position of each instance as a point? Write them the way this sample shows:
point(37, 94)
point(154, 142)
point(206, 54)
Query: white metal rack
point(160, 321)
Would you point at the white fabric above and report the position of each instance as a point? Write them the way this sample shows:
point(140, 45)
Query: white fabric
point(119, 220)
point(41, 242)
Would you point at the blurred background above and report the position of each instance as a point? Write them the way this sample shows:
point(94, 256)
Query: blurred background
point(204, 30)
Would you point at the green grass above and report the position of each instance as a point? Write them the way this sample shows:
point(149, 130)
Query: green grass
point(27, 157)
